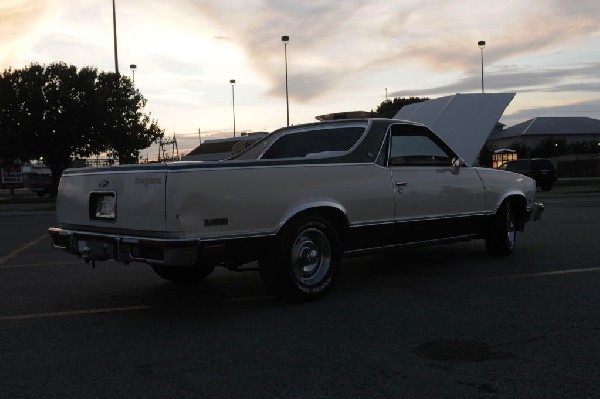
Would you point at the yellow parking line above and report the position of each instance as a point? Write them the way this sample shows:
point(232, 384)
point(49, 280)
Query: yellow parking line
point(17, 251)
point(73, 313)
point(74, 262)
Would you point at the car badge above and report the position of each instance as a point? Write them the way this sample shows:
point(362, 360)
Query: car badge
point(103, 183)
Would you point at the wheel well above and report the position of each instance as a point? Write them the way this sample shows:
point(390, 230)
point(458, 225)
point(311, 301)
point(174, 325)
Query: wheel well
point(520, 207)
point(335, 216)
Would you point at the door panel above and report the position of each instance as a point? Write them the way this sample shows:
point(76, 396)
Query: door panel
point(434, 199)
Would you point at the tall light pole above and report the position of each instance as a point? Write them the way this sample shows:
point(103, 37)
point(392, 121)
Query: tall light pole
point(133, 67)
point(481, 45)
point(232, 81)
point(285, 40)
point(115, 37)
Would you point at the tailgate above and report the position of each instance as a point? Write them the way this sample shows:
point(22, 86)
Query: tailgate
point(132, 199)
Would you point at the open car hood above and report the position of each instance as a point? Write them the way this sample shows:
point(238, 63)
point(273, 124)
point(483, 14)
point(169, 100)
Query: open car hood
point(463, 121)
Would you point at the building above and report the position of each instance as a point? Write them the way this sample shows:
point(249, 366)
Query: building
point(582, 134)
point(218, 149)
point(575, 129)
point(346, 115)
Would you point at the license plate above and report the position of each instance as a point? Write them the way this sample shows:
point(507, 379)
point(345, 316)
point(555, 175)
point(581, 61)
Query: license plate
point(105, 207)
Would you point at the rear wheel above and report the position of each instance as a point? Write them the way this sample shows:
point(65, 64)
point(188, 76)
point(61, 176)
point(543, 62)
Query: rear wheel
point(184, 274)
point(502, 235)
point(304, 261)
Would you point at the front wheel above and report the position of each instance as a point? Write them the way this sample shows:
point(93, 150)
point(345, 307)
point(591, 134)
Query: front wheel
point(304, 261)
point(184, 274)
point(502, 234)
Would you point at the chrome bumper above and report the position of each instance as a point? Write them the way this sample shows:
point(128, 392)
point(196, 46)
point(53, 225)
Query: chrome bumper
point(99, 247)
point(536, 211)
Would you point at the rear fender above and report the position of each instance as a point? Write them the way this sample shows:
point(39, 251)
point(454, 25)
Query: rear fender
point(318, 206)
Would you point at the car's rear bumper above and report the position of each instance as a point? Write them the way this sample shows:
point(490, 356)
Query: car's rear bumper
point(93, 246)
point(98, 247)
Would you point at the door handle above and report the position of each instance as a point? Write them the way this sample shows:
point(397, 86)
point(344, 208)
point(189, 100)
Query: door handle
point(399, 186)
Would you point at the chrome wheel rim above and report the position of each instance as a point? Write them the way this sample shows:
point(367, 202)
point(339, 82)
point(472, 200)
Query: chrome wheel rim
point(311, 257)
point(511, 231)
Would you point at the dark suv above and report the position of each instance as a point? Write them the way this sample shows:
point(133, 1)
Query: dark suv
point(542, 170)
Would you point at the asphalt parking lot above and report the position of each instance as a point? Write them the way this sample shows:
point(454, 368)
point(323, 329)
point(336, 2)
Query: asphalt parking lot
point(446, 321)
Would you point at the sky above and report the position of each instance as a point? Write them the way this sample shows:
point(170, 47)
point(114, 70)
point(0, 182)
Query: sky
point(341, 56)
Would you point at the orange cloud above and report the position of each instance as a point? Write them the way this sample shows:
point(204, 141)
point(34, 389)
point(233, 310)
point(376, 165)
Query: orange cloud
point(19, 20)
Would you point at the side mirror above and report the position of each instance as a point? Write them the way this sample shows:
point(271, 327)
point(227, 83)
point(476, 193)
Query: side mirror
point(457, 162)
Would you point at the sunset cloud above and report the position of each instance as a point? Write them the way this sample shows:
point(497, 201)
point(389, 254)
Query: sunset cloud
point(341, 55)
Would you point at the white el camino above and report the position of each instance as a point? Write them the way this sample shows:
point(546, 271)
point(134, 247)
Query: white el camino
point(297, 201)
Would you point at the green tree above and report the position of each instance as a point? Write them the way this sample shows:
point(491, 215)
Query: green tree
point(123, 125)
point(550, 148)
point(522, 150)
point(60, 113)
point(389, 108)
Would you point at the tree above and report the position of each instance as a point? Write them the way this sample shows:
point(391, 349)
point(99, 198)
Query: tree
point(59, 113)
point(522, 150)
point(550, 148)
point(123, 124)
point(389, 108)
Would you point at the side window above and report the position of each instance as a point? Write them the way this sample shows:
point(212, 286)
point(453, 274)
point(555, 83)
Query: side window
point(313, 142)
point(416, 149)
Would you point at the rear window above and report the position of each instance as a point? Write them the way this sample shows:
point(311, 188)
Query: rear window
point(314, 142)
point(543, 164)
point(519, 166)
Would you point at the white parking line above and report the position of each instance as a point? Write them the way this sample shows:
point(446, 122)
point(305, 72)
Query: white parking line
point(556, 272)
point(74, 313)
point(17, 251)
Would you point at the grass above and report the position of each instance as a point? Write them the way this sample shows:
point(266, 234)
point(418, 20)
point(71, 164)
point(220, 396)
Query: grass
point(584, 181)
point(576, 186)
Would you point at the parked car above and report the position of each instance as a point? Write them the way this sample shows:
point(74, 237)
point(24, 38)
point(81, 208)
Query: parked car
point(542, 170)
point(297, 201)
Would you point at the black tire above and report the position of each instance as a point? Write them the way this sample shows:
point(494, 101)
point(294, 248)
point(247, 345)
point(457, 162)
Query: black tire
point(184, 274)
point(304, 261)
point(502, 235)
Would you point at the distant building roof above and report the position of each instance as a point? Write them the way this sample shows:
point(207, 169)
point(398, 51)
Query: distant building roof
point(211, 150)
point(550, 125)
point(345, 115)
point(212, 146)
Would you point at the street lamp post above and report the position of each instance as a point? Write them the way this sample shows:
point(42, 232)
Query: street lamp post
point(232, 81)
point(481, 45)
point(133, 68)
point(115, 37)
point(285, 40)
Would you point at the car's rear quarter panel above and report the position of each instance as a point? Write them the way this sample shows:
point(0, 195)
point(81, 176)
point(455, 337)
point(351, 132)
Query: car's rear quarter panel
point(258, 200)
